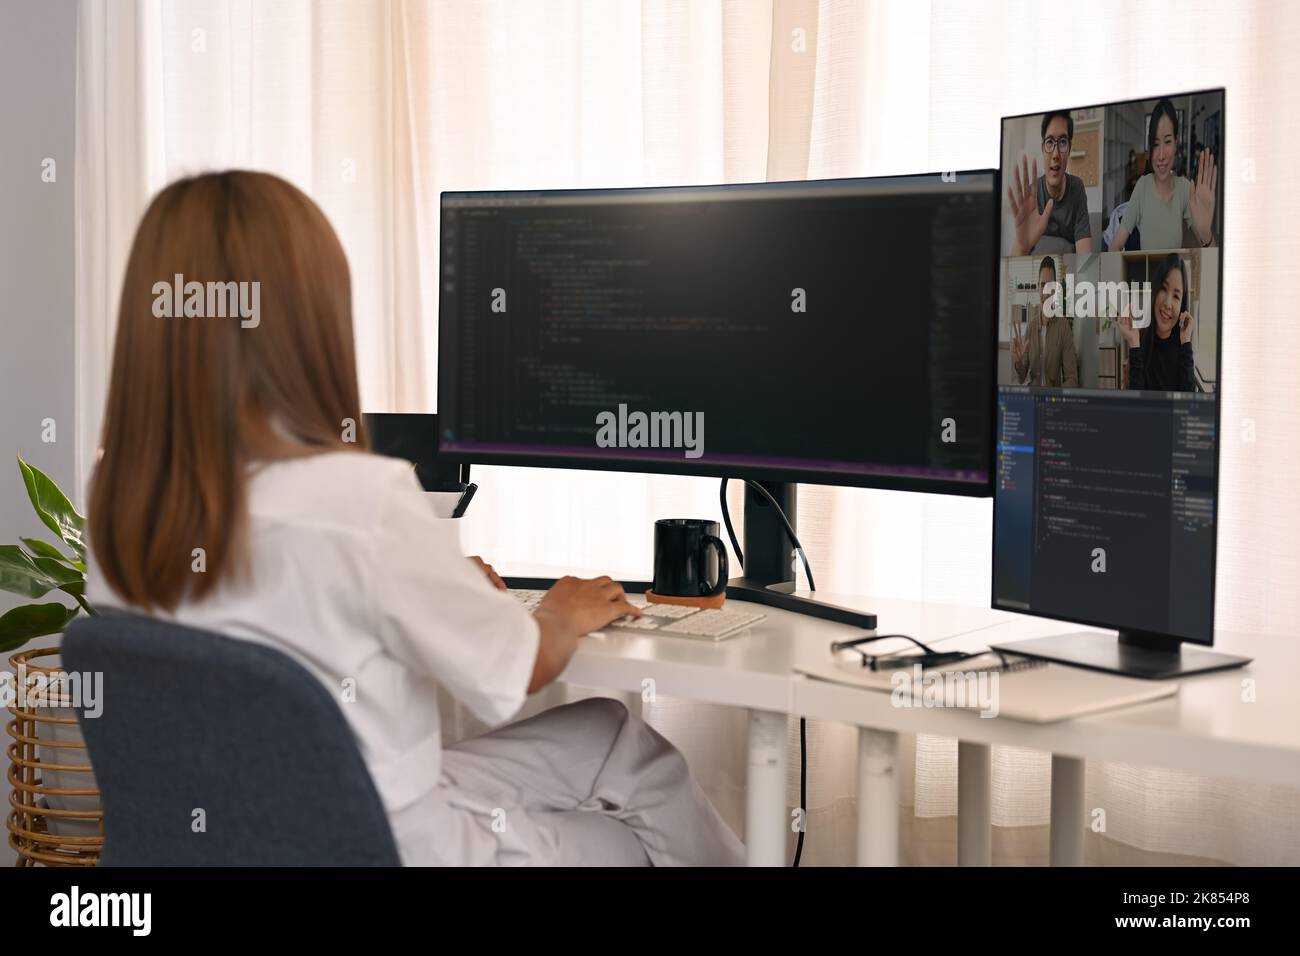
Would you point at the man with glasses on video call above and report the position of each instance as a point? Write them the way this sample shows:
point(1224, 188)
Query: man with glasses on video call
point(1055, 204)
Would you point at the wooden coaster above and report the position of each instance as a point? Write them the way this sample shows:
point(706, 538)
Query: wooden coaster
point(709, 602)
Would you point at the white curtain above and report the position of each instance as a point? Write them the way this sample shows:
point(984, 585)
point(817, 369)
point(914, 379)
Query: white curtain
point(373, 108)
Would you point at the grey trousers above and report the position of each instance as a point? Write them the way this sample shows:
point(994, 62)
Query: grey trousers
point(584, 784)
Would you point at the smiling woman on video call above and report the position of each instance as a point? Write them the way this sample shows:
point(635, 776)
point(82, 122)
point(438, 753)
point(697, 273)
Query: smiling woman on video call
point(1163, 202)
point(1160, 355)
point(230, 437)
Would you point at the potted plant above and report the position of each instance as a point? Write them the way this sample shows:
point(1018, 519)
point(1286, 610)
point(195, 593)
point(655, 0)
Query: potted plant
point(62, 804)
point(37, 567)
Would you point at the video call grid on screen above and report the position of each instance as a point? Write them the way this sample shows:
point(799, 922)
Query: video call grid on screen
point(1108, 327)
point(680, 299)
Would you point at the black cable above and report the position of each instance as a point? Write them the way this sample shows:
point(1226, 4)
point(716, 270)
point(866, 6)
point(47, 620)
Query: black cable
point(789, 530)
point(803, 723)
point(785, 522)
point(726, 519)
point(803, 787)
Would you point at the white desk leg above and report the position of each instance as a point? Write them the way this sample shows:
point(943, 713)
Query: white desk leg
point(1068, 814)
point(974, 803)
point(877, 797)
point(767, 820)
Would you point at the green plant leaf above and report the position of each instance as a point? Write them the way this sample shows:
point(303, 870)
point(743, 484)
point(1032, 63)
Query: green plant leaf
point(43, 549)
point(54, 509)
point(20, 625)
point(20, 573)
point(58, 571)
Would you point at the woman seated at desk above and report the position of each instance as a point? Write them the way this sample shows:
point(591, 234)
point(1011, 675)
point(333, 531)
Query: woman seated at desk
point(233, 436)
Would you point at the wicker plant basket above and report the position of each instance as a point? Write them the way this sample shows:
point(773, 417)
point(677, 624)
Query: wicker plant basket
point(46, 745)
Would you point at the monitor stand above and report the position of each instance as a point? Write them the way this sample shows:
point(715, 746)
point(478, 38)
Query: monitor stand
point(769, 577)
point(1134, 654)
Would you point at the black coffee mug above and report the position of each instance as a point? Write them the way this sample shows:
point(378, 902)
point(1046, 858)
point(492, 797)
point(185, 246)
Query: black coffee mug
point(690, 559)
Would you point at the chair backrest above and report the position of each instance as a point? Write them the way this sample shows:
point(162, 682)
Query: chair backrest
point(197, 728)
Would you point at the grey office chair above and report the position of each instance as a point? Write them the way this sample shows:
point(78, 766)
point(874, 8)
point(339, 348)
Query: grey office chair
point(193, 721)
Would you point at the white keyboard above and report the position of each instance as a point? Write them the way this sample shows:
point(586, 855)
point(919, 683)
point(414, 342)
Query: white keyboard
point(708, 624)
point(529, 599)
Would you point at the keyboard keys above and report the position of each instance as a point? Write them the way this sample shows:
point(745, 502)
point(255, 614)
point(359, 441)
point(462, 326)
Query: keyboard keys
point(669, 611)
point(528, 598)
point(636, 624)
point(675, 619)
point(713, 623)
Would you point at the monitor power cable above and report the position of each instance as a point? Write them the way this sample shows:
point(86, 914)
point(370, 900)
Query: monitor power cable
point(807, 570)
point(731, 531)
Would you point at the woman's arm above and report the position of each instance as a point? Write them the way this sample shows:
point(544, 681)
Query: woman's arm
point(555, 646)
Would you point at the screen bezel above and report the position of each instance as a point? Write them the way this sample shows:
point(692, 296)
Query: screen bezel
point(1218, 385)
point(947, 486)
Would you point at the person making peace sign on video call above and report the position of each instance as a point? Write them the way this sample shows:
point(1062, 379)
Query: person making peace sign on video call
point(1044, 355)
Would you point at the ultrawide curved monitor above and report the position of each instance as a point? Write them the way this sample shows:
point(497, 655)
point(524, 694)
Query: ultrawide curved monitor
point(834, 331)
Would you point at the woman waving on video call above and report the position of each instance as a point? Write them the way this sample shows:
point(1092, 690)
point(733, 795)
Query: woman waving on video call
point(1163, 202)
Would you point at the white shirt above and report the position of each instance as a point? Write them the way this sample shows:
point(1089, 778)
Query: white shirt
point(354, 576)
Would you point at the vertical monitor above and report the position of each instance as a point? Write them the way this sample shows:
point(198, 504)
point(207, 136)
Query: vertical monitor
point(1109, 313)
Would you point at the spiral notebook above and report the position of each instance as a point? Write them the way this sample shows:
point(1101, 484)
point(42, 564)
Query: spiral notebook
point(1027, 690)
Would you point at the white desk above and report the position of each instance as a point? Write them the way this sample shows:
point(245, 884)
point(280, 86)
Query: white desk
point(1207, 728)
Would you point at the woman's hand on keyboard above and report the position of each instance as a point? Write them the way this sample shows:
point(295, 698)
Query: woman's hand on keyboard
point(587, 604)
point(571, 608)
